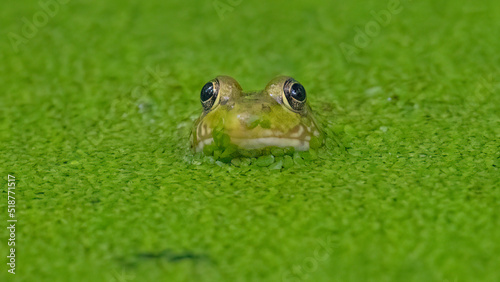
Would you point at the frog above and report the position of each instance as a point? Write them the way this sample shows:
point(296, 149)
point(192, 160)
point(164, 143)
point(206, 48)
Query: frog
point(237, 123)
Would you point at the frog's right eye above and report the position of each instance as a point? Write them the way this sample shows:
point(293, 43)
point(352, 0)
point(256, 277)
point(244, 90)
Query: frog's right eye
point(210, 94)
point(294, 95)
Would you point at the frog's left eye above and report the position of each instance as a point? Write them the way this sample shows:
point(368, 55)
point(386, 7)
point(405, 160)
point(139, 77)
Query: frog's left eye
point(294, 95)
point(210, 94)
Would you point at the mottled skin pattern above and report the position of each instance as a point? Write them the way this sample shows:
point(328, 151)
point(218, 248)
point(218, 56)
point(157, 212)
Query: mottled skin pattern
point(255, 120)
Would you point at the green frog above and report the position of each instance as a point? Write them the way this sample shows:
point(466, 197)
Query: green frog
point(236, 123)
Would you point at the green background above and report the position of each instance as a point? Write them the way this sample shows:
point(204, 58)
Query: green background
point(96, 109)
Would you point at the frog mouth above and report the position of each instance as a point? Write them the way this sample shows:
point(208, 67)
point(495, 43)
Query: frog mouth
point(298, 138)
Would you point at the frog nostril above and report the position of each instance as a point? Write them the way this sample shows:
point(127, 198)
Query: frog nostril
point(266, 108)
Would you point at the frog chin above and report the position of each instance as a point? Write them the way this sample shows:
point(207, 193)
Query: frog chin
point(263, 142)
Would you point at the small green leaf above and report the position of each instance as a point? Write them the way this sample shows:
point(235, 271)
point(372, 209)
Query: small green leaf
point(265, 123)
point(297, 159)
point(278, 152)
point(287, 161)
point(289, 151)
point(208, 150)
point(253, 122)
point(276, 165)
point(265, 160)
point(315, 142)
point(217, 154)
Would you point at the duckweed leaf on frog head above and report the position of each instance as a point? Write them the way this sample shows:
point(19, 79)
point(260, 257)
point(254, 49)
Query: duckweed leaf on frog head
point(253, 122)
point(265, 123)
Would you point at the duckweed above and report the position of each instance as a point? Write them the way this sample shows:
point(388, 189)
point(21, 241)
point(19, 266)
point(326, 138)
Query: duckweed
point(98, 104)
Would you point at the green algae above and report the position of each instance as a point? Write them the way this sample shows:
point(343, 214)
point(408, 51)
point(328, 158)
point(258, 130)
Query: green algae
point(97, 107)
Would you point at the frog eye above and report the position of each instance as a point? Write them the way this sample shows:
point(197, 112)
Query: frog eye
point(209, 94)
point(294, 95)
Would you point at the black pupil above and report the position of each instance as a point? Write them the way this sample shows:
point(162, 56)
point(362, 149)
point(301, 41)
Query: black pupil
point(298, 92)
point(207, 91)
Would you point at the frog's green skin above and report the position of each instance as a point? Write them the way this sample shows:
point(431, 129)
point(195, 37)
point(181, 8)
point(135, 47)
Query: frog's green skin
point(255, 120)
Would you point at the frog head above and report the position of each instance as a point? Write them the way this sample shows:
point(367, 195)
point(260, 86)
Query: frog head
point(277, 116)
